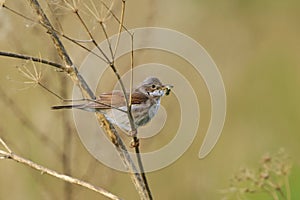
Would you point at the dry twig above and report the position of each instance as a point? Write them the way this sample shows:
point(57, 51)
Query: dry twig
point(8, 154)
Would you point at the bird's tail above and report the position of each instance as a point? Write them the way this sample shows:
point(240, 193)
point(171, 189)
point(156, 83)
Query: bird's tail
point(66, 107)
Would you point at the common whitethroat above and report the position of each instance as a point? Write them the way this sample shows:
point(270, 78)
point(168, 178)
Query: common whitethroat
point(145, 102)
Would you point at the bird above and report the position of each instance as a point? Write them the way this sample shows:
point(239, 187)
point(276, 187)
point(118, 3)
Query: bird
point(145, 102)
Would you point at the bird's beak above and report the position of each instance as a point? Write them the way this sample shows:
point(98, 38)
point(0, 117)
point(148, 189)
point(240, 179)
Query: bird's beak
point(167, 88)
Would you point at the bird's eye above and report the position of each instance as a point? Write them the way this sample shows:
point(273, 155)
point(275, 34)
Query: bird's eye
point(153, 86)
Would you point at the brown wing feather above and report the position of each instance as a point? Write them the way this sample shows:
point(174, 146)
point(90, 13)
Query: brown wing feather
point(116, 99)
point(138, 98)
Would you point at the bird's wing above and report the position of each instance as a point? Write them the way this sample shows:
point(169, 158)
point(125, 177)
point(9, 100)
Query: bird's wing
point(116, 99)
point(138, 98)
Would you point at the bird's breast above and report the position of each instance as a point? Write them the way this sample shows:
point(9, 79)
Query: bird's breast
point(154, 108)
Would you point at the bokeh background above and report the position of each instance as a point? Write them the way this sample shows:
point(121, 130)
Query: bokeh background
point(256, 46)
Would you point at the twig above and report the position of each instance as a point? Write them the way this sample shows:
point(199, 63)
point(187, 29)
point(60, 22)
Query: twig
point(35, 59)
point(101, 21)
point(135, 138)
point(107, 39)
point(68, 64)
point(5, 146)
point(116, 18)
point(127, 99)
point(142, 171)
point(10, 155)
point(90, 35)
point(67, 147)
point(75, 41)
point(17, 13)
point(125, 157)
point(121, 22)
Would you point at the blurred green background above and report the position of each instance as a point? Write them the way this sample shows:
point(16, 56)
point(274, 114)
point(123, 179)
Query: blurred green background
point(256, 46)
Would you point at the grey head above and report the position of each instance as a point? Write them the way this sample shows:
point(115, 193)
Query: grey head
point(151, 86)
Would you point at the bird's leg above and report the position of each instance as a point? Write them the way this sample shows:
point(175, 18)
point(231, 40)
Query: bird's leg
point(135, 141)
point(132, 133)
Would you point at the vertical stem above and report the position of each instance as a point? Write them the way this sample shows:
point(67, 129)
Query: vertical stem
point(142, 171)
point(67, 146)
point(135, 139)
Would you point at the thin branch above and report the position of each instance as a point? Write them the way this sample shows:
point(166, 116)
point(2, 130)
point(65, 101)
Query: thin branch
point(43, 19)
point(101, 22)
point(142, 171)
point(112, 65)
point(10, 155)
point(67, 146)
point(77, 42)
point(121, 25)
point(90, 35)
point(107, 39)
point(74, 41)
point(135, 138)
point(116, 18)
point(128, 100)
point(18, 13)
point(125, 157)
point(131, 74)
point(5, 146)
point(68, 64)
point(35, 59)
point(51, 92)
point(56, 21)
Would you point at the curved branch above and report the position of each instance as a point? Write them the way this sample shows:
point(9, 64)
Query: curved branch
point(8, 154)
